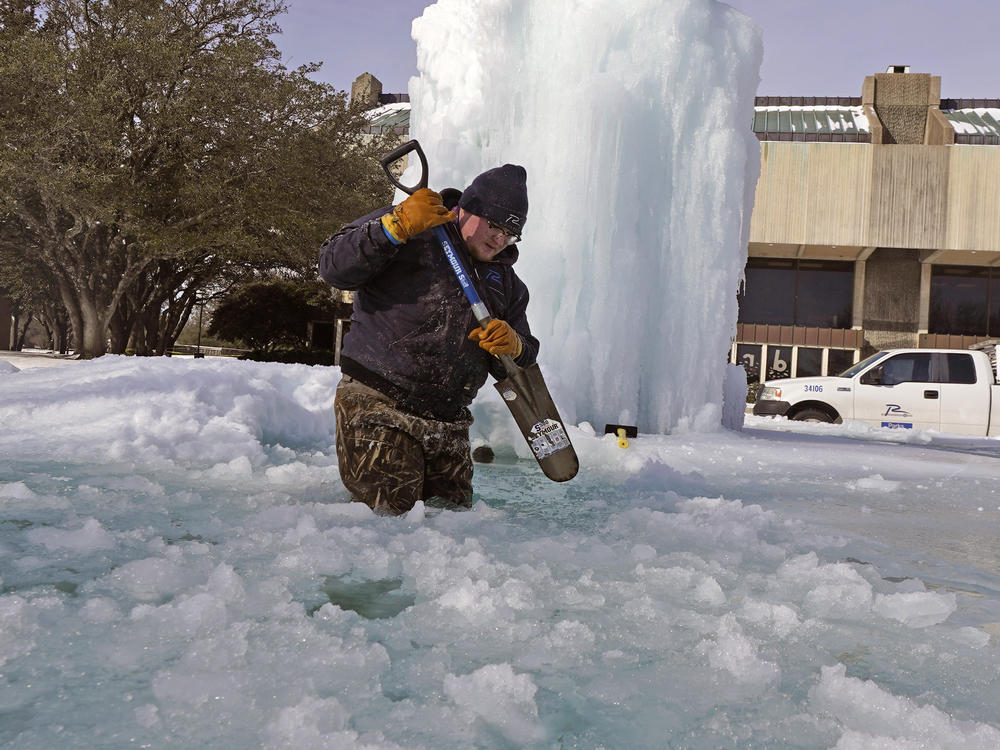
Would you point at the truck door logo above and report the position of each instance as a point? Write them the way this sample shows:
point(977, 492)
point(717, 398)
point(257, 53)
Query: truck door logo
point(895, 410)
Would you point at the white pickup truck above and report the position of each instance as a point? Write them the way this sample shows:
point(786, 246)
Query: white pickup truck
point(950, 390)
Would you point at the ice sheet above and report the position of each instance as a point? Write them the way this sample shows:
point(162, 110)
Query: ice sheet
point(180, 568)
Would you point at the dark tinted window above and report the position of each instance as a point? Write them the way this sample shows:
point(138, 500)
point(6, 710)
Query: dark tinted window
point(768, 296)
point(839, 360)
point(810, 362)
point(825, 294)
point(961, 369)
point(782, 291)
point(960, 299)
point(994, 303)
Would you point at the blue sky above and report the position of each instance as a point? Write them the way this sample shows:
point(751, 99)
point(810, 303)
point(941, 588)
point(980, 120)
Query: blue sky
point(811, 48)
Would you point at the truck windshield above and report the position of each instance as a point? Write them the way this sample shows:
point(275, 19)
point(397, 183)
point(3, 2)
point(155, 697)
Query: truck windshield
point(853, 370)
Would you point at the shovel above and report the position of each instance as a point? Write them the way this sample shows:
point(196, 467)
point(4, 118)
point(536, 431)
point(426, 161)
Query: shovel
point(523, 390)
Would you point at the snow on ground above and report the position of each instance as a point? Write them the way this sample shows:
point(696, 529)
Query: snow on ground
point(181, 569)
point(31, 358)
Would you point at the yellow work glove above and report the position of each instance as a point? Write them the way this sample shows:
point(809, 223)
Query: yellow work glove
point(498, 338)
point(416, 214)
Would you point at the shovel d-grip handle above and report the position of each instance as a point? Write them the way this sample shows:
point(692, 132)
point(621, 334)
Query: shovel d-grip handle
point(478, 308)
point(398, 153)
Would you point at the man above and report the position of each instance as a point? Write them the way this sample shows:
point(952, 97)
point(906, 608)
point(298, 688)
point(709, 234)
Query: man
point(415, 357)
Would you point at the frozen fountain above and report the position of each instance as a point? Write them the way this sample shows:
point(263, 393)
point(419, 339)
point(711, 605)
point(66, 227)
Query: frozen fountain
point(632, 118)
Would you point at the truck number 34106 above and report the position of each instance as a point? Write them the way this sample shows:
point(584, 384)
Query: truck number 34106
point(814, 389)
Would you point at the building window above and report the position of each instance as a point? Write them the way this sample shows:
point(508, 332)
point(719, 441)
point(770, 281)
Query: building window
point(965, 300)
point(773, 361)
point(768, 294)
point(795, 292)
point(840, 360)
point(778, 362)
point(809, 362)
point(748, 355)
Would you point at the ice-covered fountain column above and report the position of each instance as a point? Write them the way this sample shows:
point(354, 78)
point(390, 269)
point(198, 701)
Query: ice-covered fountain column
point(633, 119)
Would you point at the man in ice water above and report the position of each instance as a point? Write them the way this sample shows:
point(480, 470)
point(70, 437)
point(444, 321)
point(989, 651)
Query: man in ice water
point(415, 357)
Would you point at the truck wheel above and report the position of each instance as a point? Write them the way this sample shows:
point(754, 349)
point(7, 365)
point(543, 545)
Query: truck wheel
point(812, 415)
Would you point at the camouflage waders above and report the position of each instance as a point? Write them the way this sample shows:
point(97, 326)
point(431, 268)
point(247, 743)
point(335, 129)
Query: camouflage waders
point(389, 459)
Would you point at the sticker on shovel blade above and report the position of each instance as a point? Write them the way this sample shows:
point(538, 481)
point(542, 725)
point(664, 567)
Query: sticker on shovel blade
point(548, 437)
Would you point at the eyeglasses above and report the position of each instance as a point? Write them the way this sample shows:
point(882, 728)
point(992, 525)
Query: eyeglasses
point(508, 235)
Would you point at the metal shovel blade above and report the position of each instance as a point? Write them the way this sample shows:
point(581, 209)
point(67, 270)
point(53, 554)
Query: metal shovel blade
point(526, 395)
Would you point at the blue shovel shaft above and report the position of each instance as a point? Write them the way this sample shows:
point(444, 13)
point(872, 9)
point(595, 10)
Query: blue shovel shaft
point(478, 307)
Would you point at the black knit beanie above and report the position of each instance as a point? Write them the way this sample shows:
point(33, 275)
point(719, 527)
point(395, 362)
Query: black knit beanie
point(499, 195)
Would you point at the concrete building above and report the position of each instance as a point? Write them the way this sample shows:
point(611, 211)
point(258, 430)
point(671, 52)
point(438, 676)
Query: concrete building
point(875, 225)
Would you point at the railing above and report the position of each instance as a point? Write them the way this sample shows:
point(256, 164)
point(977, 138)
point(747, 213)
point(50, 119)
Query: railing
point(950, 340)
point(759, 333)
point(771, 135)
point(807, 101)
point(186, 350)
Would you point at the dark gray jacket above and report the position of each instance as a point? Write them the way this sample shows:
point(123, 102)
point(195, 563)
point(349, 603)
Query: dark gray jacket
point(411, 320)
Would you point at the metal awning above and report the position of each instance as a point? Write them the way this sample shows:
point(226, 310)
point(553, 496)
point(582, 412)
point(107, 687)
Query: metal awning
point(975, 124)
point(822, 121)
point(393, 117)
